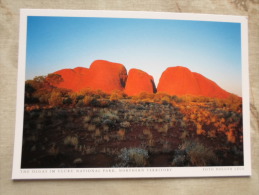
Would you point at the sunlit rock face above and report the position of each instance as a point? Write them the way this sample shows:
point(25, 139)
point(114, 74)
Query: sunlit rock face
point(139, 81)
point(181, 81)
point(102, 75)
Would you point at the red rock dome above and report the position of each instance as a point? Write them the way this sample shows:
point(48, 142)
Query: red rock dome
point(107, 76)
point(181, 81)
point(102, 75)
point(74, 79)
point(139, 81)
point(209, 88)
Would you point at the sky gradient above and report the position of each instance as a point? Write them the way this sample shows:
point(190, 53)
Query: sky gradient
point(212, 49)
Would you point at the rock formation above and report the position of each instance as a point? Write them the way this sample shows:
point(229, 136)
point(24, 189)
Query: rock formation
point(139, 81)
point(181, 81)
point(107, 76)
point(74, 79)
point(102, 75)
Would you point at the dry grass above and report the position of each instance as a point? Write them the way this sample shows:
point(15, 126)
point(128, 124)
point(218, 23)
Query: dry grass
point(163, 128)
point(133, 157)
point(71, 140)
point(148, 133)
point(125, 124)
point(91, 127)
point(199, 129)
point(87, 119)
point(194, 153)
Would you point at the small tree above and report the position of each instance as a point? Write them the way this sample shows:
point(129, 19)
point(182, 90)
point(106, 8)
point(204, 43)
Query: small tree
point(55, 98)
point(87, 100)
point(29, 90)
point(54, 79)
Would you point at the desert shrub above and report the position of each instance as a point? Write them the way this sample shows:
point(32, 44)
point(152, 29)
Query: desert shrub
point(121, 134)
point(97, 132)
point(201, 99)
point(116, 95)
point(163, 128)
point(87, 119)
point(56, 98)
point(148, 133)
point(104, 103)
point(43, 97)
point(96, 120)
point(159, 97)
point(144, 96)
point(79, 97)
point(87, 100)
point(85, 92)
point(29, 90)
point(231, 133)
point(110, 123)
point(186, 98)
point(38, 90)
point(194, 153)
point(166, 100)
point(199, 129)
point(77, 161)
point(67, 101)
point(105, 128)
point(133, 157)
point(234, 102)
point(212, 133)
point(71, 140)
point(80, 103)
point(184, 134)
point(95, 102)
point(91, 127)
point(109, 115)
point(54, 79)
point(125, 124)
point(219, 103)
point(99, 94)
point(106, 138)
point(73, 97)
point(176, 99)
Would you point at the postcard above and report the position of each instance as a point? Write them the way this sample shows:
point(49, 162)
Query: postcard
point(125, 94)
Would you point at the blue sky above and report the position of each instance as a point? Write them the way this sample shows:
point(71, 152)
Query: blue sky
point(212, 49)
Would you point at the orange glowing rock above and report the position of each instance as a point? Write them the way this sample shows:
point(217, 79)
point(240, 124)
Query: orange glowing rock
point(74, 79)
point(107, 76)
point(181, 81)
point(102, 75)
point(208, 88)
point(139, 81)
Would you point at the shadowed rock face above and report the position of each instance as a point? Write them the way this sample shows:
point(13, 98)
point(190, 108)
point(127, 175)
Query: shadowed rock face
point(102, 75)
point(139, 81)
point(181, 81)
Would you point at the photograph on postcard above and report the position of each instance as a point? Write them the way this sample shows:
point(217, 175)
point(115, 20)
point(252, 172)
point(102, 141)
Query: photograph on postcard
point(131, 92)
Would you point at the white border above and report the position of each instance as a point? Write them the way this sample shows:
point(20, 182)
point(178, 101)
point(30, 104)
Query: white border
point(151, 172)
